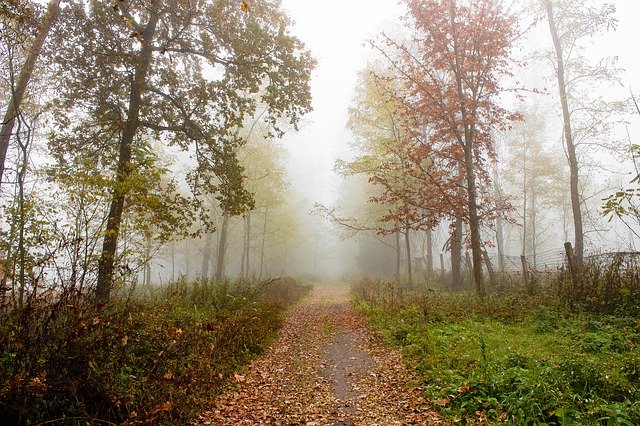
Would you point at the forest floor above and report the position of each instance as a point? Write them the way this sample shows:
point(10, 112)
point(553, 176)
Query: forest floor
point(326, 368)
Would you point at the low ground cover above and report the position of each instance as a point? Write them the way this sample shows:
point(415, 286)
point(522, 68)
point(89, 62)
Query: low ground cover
point(155, 356)
point(512, 357)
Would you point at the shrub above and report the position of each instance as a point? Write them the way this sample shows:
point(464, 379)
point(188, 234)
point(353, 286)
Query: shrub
point(156, 357)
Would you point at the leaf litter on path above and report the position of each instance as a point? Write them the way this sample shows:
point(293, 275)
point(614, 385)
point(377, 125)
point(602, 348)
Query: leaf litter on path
point(326, 368)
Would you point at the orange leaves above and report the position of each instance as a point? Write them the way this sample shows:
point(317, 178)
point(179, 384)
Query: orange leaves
point(323, 370)
point(245, 7)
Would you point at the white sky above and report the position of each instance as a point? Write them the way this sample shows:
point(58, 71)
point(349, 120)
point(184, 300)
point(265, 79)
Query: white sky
point(336, 31)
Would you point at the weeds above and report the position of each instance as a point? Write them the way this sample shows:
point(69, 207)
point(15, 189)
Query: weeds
point(513, 358)
point(154, 358)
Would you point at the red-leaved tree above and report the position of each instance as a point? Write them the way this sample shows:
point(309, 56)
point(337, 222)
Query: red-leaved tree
point(453, 66)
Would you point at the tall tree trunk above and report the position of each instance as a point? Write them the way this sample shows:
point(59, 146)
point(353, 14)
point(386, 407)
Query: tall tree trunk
point(407, 244)
point(398, 252)
point(456, 256)
point(430, 252)
point(106, 263)
point(568, 135)
point(147, 261)
point(244, 267)
point(533, 229)
point(264, 237)
point(206, 257)
point(525, 199)
point(17, 95)
point(474, 221)
point(499, 222)
point(187, 257)
point(222, 247)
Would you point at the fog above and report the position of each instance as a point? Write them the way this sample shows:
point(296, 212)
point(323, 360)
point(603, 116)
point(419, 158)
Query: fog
point(338, 34)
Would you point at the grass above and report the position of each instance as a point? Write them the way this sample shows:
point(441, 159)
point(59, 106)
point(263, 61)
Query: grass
point(156, 357)
point(493, 361)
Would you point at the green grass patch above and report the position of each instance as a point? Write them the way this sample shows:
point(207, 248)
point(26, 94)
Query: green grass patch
point(156, 357)
point(483, 361)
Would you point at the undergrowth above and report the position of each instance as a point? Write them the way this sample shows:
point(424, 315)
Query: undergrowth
point(512, 358)
point(154, 357)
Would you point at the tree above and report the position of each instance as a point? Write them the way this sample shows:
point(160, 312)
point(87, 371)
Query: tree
point(188, 73)
point(535, 176)
point(459, 53)
point(387, 160)
point(19, 88)
point(586, 117)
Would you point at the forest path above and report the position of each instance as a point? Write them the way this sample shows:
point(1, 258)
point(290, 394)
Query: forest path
point(325, 368)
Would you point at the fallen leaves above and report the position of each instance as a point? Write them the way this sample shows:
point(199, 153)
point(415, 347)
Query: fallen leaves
point(295, 381)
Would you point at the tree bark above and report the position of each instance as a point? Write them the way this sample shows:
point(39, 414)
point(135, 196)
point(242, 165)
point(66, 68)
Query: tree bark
point(222, 247)
point(456, 256)
point(106, 263)
point(499, 223)
point(398, 252)
point(474, 221)
point(430, 252)
point(206, 257)
point(17, 95)
point(568, 135)
point(407, 243)
point(264, 235)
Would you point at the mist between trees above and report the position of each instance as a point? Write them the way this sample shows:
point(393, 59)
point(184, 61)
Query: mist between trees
point(486, 135)
point(141, 144)
point(139, 147)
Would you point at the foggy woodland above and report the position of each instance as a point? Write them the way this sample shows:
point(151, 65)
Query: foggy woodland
point(178, 201)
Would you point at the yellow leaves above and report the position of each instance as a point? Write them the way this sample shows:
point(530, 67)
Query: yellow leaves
point(37, 384)
point(246, 8)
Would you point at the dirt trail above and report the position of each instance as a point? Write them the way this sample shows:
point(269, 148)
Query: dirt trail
point(326, 368)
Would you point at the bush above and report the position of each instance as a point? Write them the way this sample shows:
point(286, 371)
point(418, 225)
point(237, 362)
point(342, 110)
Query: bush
point(151, 358)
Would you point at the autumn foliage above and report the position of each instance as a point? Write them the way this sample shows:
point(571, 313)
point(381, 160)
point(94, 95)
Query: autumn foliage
point(452, 69)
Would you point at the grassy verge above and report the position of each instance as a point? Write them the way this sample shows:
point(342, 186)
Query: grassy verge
point(153, 358)
point(514, 359)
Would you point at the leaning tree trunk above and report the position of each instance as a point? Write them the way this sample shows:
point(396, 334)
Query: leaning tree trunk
point(106, 263)
point(568, 136)
point(13, 107)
